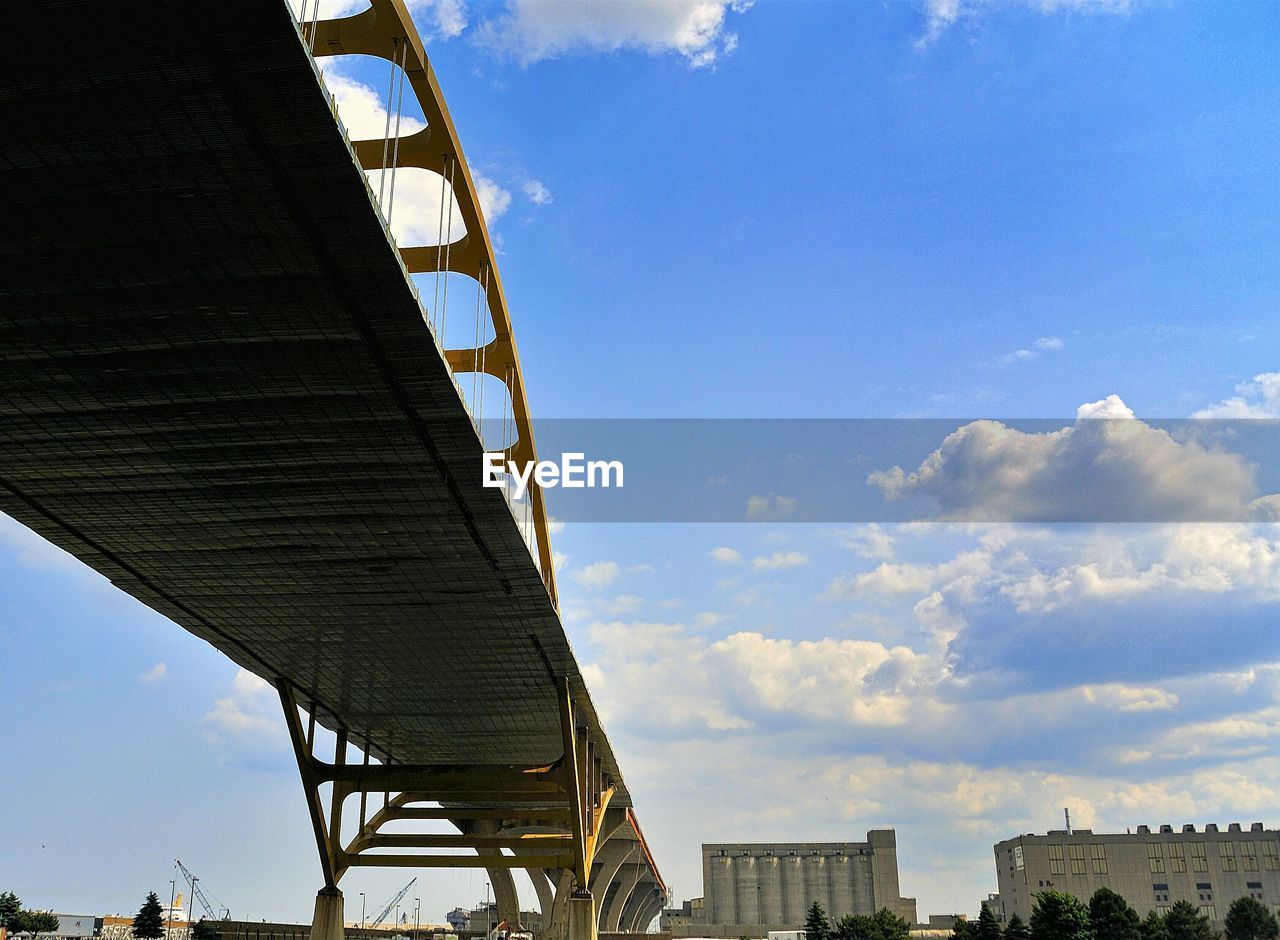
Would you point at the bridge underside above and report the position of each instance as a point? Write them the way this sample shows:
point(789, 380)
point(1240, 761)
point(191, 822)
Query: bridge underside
point(217, 389)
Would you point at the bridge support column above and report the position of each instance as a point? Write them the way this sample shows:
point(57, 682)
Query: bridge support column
point(327, 922)
point(582, 916)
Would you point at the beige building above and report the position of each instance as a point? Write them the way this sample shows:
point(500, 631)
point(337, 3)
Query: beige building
point(752, 888)
point(1151, 870)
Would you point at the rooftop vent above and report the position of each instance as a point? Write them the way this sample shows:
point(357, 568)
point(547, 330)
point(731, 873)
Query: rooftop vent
point(1188, 827)
point(1210, 827)
point(1144, 830)
point(1166, 828)
point(1233, 827)
point(1256, 827)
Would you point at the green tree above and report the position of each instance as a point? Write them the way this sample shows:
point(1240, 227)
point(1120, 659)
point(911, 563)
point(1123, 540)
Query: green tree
point(1152, 927)
point(1185, 922)
point(1059, 916)
point(34, 922)
point(9, 908)
point(816, 925)
point(987, 927)
point(203, 930)
point(886, 925)
point(851, 927)
point(964, 930)
point(1112, 918)
point(149, 922)
point(1017, 929)
point(1249, 920)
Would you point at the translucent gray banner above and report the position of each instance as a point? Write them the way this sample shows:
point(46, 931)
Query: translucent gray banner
point(872, 470)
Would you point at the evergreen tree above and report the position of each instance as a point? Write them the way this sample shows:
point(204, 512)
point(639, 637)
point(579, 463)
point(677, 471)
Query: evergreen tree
point(1185, 922)
point(1058, 916)
point(1249, 920)
point(203, 930)
point(1017, 929)
point(1152, 927)
point(964, 930)
point(34, 922)
point(987, 928)
point(886, 925)
point(9, 908)
point(816, 925)
point(1112, 918)
point(149, 922)
point(851, 927)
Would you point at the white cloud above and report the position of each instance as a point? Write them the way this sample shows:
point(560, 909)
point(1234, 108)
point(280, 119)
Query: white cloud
point(363, 109)
point(869, 541)
point(155, 673)
point(494, 200)
point(941, 15)
point(1258, 398)
point(779, 561)
point(532, 30)
point(537, 192)
point(726, 555)
point(598, 574)
point(905, 578)
point(1093, 470)
point(1043, 344)
point(444, 19)
point(770, 508)
point(247, 709)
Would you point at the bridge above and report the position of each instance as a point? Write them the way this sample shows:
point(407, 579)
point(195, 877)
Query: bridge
point(224, 390)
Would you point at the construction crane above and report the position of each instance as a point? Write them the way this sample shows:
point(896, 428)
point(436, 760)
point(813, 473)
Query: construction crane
point(377, 921)
point(218, 912)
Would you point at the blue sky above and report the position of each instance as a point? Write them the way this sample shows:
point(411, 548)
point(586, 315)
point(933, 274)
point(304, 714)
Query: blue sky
point(948, 209)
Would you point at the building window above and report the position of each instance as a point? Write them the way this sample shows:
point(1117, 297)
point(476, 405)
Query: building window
point(1177, 856)
point(1227, 855)
point(1056, 867)
point(1098, 854)
point(1270, 861)
point(1077, 859)
point(1249, 856)
point(1155, 858)
point(1199, 861)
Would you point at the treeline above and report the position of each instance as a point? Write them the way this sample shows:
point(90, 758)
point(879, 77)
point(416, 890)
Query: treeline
point(1108, 916)
point(882, 925)
point(16, 919)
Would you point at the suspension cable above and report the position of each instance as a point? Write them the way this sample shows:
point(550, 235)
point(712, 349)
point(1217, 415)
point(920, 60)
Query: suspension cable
point(395, 147)
point(448, 234)
point(386, 129)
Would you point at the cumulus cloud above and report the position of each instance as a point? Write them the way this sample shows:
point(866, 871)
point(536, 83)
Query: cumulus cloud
point(1043, 344)
point(726, 555)
point(444, 19)
point(537, 192)
point(362, 108)
point(779, 561)
point(529, 31)
point(599, 574)
point(941, 15)
point(155, 673)
point(770, 508)
point(1258, 398)
point(1107, 466)
point(247, 709)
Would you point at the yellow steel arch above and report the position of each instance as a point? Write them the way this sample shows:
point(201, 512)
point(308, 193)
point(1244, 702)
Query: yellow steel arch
point(386, 30)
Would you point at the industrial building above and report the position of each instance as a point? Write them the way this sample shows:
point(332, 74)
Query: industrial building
point(753, 888)
point(1152, 870)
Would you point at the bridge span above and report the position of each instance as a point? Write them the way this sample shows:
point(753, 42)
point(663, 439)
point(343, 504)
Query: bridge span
point(222, 390)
